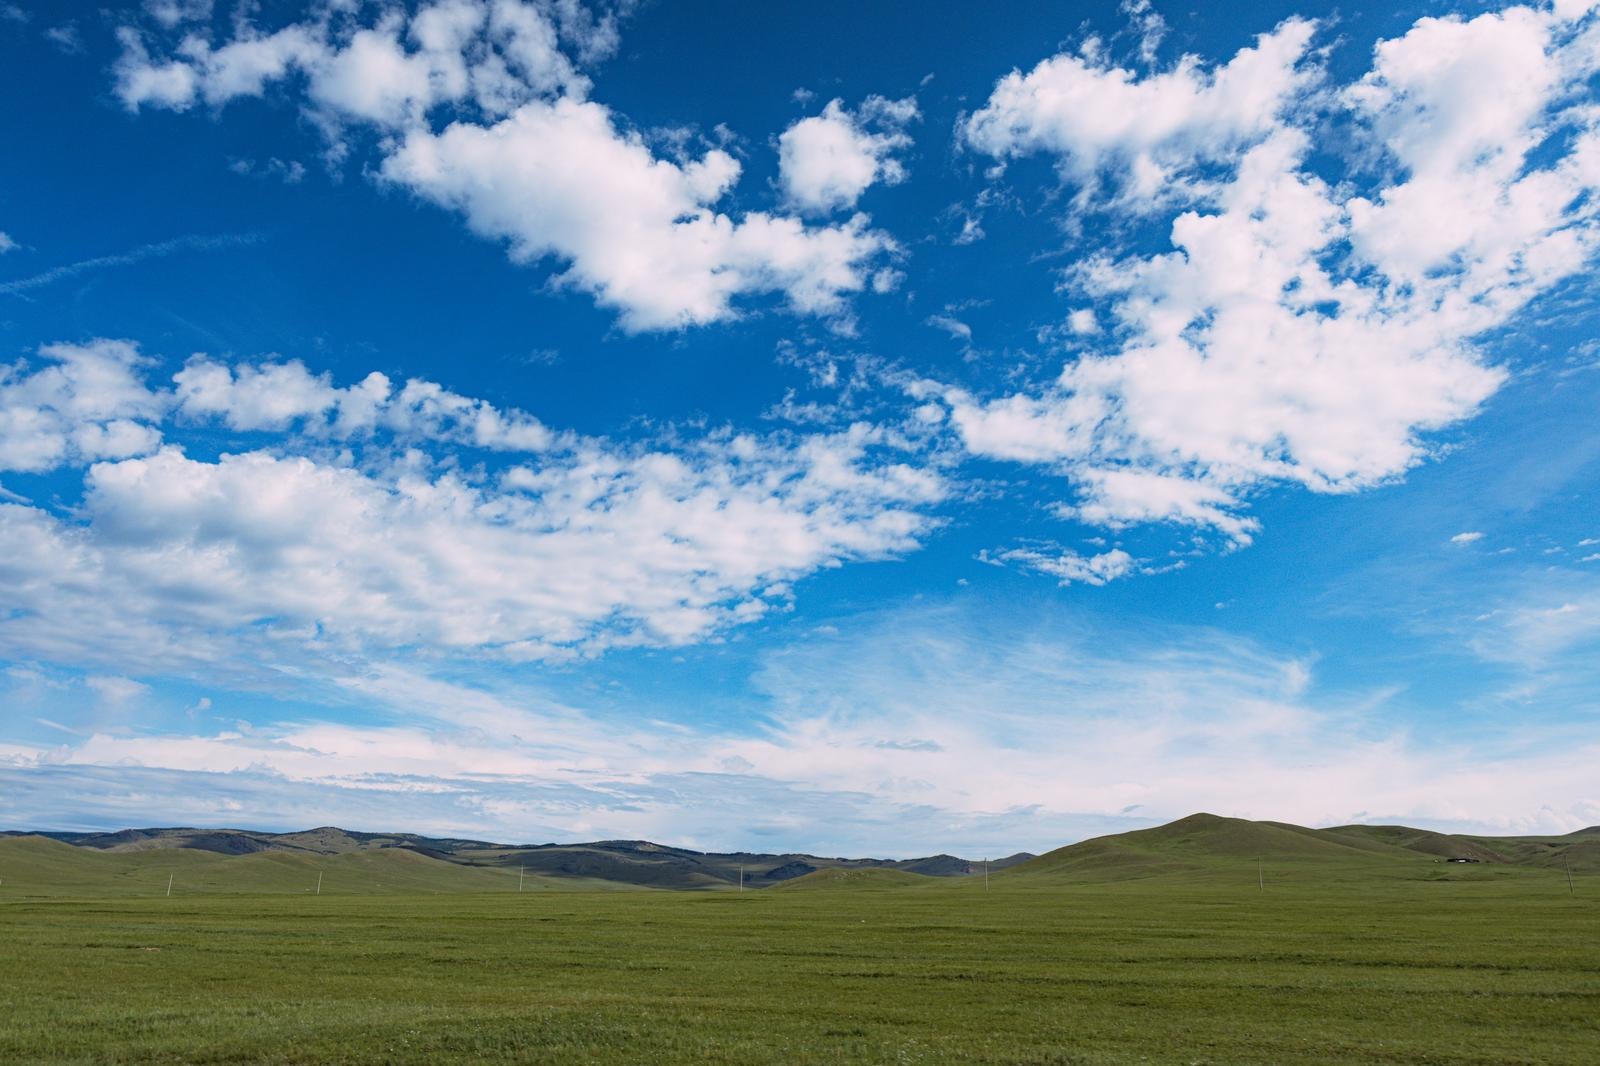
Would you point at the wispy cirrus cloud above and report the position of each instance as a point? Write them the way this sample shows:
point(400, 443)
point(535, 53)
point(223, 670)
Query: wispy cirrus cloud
point(925, 725)
point(160, 249)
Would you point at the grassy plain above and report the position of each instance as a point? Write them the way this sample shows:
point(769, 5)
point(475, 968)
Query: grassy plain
point(1377, 960)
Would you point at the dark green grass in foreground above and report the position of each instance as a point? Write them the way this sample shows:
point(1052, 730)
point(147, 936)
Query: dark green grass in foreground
point(1421, 964)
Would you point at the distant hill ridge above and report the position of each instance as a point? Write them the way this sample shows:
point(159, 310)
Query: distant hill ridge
point(1189, 846)
point(633, 862)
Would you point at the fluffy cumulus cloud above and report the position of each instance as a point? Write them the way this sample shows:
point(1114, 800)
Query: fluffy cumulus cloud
point(640, 231)
point(386, 69)
point(1106, 123)
point(827, 161)
point(482, 109)
point(279, 396)
point(1295, 330)
point(349, 517)
point(74, 405)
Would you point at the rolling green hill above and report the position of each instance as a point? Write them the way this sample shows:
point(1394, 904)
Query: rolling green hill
point(372, 873)
point(1423, 841)
point(1199, 843)
point(638, 863)
point(36, 866)
point(32, 865)
point(1205, 844)
point(1579, 850)
point(1211, 836)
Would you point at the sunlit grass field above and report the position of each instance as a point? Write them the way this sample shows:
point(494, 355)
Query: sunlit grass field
point(1424, 963)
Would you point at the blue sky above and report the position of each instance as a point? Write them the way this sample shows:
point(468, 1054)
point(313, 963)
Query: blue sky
point(813, 428)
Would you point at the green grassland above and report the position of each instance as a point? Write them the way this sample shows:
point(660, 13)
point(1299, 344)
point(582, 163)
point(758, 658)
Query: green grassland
point(1156, 947)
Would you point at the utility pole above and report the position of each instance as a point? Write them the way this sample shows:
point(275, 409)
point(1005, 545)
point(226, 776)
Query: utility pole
point(521, 873)
point(1570, 890)
point(1261, 878)
point(319, 882)
point(986, 875)
point(169, 884)
point(741, 877)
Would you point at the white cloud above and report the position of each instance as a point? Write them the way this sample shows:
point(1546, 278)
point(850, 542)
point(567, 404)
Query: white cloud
point(827, 161)
point(66, 38)
point(6, 243)
point(494, 54)
point(116, 690)
point(639, 231)
point(171, 13)
point(1148, 23)
point(376, 79)
point(526, 158)
point(1548, 623)
point(278, 396)
point(1466, 538)
point(1069, 566)
point(1022, 428)
point(247, 64)
point(953, 326)
point(1141, 134)
point(871, 736)
point(291, 172)
point(1279, 340)
point(1460, 105)
point(259, 397)
point(589, 544)
point(1119, 497)
point(1171, 720)
point(143, 81)
point(87, 403)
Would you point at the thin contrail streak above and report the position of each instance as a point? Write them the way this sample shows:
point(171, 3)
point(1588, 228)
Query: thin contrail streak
point(148, 251)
